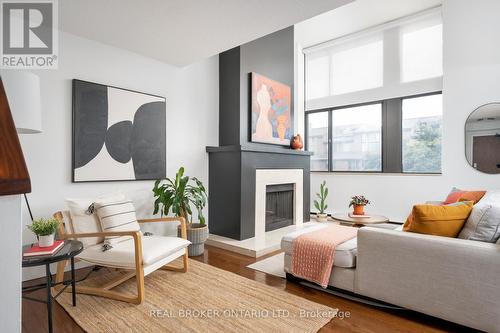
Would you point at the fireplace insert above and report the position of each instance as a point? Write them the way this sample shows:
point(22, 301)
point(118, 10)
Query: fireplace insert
point(279, 206)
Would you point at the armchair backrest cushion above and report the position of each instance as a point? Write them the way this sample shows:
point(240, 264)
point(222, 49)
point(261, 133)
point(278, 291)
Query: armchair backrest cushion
point(116, 215)
point(83, 221)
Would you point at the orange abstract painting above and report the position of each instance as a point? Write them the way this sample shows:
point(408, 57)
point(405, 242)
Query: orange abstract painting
point(272, 118)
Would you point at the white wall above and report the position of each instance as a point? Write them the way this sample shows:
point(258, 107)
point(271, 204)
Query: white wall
point(10, 264)
point(192, 122)
point(471, 78)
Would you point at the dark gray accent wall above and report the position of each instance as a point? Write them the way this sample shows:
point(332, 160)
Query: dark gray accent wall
point(229, 97)
point(224, 200)
point(271, 56)
point(233, 164)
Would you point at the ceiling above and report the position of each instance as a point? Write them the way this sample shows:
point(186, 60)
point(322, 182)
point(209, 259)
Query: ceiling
point(181, 32)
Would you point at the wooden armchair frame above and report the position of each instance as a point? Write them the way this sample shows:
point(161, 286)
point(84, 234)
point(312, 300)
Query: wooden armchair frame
point(138, 272)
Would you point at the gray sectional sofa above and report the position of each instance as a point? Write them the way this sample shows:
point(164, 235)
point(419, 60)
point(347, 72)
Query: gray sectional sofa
point(449, 278)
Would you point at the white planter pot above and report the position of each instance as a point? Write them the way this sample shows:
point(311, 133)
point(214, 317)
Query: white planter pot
point(46, 241)
point(321, 217)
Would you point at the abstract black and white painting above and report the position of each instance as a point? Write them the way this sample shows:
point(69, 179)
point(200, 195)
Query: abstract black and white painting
point(118, 134)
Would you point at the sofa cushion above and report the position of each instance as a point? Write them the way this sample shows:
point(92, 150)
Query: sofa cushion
point(483, 224)
point(345, 253)
point(444, 221)
point(122, 255)
point(116, 215)
point(461, 195)
point(491, 198)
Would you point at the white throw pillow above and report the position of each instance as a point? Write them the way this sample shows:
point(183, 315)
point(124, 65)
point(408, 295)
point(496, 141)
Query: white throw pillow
point(483, 224)
point(116, 215)
point(82, 221)
point(491, 197)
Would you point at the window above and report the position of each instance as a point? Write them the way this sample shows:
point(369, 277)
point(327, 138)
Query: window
point(406, 129)
point(422, 118)
point(356, 138)
point(422, 53)
point(400, 58)
point(357, 67)
point(318, 78)
point(317, 138)
point(373, 98)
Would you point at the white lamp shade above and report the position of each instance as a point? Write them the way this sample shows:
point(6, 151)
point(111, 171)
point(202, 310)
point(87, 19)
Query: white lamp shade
point(23, 93)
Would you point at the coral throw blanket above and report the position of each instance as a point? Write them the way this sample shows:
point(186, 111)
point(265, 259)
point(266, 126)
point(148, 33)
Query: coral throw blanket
point(314, 252)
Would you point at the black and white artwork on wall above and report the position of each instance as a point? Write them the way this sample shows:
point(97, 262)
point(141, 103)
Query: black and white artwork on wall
point(118, 134)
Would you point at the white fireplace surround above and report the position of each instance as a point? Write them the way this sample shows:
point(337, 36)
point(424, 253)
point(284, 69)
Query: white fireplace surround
point(264, 177)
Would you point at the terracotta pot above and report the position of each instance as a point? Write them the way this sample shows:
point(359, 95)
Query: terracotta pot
point(359, 210)
point(296, 143)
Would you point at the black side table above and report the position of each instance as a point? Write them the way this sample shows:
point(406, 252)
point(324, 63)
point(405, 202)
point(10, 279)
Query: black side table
point(70, 249)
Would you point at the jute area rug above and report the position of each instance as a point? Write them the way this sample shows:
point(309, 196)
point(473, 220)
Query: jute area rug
point(205, 299)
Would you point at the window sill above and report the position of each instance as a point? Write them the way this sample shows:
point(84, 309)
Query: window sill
point(377, 173)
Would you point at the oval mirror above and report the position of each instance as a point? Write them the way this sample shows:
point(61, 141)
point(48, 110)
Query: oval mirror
point(482, 138)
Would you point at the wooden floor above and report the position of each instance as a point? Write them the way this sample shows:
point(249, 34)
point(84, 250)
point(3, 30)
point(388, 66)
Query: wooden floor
point(363, 318)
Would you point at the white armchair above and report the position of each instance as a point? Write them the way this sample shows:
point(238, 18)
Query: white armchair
point(138, 256)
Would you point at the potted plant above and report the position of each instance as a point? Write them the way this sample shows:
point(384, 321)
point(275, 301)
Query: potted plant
point(179, 195)
point(45, 230)
point(358, 202)
point(321, 205)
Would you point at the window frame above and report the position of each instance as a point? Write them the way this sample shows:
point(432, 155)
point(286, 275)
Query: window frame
point(391, 132)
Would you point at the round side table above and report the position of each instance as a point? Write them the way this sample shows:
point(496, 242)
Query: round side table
point(359, 221)
point(70, 249)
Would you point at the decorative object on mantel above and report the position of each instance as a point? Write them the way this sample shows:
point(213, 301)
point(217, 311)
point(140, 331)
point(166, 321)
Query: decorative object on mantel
point(45, 230)
point(177, 195)
point(118, 134)
point(321, 206)
point(23, 92)
point(296, 142)
point(358, 202)
point(272, 116)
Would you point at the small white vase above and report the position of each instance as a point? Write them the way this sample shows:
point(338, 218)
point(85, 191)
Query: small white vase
point(46, 241)
point(321, 217)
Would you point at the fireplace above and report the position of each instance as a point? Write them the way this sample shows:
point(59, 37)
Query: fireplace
point(279, 206)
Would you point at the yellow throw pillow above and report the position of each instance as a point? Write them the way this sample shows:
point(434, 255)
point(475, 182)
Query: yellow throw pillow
point(444, 221)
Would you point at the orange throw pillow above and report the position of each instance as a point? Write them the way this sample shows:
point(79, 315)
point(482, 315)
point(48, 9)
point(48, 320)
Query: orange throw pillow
point(473, 196)
point(444, 221)
point(457, 195)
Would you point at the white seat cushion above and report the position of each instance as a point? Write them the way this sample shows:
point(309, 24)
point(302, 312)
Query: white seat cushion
point(122, 255)
point(345, 253)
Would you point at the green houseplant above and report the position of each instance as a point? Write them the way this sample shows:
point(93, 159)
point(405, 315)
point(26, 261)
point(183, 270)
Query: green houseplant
point(45, 230)
point(321, 205)
point(181, 195)
point(358, 202)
